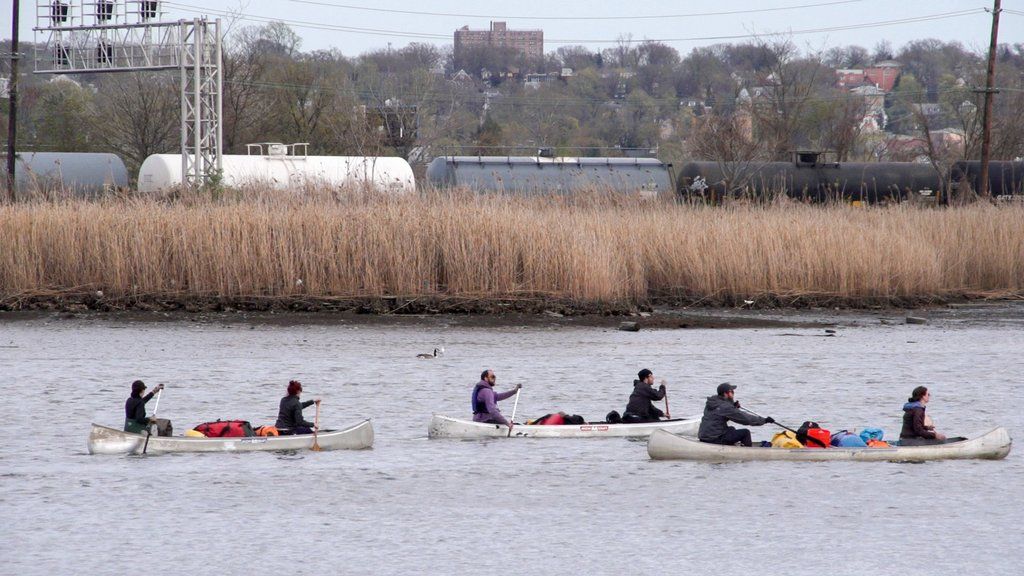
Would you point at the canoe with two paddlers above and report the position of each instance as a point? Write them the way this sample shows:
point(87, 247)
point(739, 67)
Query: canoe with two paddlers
point(106, 440)
point(448, 427)
point(992, 445)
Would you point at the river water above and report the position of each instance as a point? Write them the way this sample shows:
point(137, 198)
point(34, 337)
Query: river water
point(418, 506)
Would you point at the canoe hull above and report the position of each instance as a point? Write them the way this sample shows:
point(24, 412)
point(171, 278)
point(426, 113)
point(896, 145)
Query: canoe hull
point(106, 440)
point(448, 427)
point(993, 445)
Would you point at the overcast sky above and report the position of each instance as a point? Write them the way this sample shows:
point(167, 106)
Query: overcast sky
point(357, 26)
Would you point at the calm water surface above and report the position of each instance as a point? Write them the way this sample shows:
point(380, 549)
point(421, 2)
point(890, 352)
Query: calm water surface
point(412, 505)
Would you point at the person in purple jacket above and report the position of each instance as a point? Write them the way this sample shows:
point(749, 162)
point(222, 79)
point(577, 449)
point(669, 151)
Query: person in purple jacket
point(485, 400)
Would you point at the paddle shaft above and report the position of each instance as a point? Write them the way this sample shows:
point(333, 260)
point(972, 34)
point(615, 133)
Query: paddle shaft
point(668, 415)
point(512, 422)
point(149, 429)
point(819, 442)
point(316, 428)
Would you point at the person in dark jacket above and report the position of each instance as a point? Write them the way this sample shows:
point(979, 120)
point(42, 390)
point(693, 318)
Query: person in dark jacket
point(918, 428)
point(719, 410)
point(135, 419)
point(289, 415)
point(641, 406)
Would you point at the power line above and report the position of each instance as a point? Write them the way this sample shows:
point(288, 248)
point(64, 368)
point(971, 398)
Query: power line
point(878, 24)
point(429, 35)
point(623, 17)
point(313, 25)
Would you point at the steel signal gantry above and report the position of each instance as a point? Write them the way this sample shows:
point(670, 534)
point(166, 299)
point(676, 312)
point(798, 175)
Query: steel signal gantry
point(76, 36)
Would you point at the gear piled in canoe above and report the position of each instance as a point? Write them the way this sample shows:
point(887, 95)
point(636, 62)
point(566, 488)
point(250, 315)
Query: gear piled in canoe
point(226, 429)
point(557, 419)
point(231, 429)
point(810, 435)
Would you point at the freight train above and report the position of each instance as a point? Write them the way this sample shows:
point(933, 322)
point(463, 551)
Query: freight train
point(806, 178)
point(809, 179)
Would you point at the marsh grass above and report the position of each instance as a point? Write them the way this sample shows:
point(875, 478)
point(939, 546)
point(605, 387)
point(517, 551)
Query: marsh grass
point(592, 248)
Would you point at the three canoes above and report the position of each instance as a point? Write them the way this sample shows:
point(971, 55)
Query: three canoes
point(106, 440)
point(668, 440)
point(448, 427)
point(667, 446)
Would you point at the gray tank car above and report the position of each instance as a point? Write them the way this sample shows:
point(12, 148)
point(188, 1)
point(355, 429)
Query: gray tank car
point(540, 175)
point(82, 174)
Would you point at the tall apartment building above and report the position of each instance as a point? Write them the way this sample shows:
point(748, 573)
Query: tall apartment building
point(527, 42)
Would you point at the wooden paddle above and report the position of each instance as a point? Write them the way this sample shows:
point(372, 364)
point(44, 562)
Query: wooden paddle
point(512, 422)
point(668, 415)
point(316, 427)
point(149, 429)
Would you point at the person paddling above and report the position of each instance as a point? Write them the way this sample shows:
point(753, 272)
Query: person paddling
point(135, 419)
point(719, 410)
point(485, 400)
point(289, 415)
point(641, 406)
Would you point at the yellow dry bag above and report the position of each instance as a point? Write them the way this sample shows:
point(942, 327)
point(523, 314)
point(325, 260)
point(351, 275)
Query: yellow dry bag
point(785, 439)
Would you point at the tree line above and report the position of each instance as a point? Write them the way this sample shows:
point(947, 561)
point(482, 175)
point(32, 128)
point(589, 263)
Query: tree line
point(760, 100)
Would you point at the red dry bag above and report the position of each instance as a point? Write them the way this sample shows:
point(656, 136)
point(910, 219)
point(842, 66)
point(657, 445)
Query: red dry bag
point(225, 429)
point(817, 438)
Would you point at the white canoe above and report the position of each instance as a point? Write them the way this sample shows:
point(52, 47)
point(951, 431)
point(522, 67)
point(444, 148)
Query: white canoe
point(992, 446)
point(448, 427)
point(106, 440)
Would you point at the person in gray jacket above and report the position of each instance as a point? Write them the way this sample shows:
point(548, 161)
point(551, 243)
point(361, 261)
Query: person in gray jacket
point(719, 410)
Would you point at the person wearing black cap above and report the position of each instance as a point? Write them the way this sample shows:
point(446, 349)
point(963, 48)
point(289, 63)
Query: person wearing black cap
point(641, 406)
point(719, 410)
point(135, 419)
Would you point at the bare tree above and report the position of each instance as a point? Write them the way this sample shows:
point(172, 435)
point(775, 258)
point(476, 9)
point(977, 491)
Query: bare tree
point(245, 105)
point(781, 103)
point(138, 114)
point(837, 123)
point(727, 140)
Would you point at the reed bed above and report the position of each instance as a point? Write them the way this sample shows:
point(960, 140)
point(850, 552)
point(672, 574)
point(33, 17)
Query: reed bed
point(594, 250)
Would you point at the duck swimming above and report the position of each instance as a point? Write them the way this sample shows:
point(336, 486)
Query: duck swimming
point(437, 352)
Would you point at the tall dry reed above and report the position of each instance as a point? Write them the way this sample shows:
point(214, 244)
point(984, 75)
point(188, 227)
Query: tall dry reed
point(593, 250)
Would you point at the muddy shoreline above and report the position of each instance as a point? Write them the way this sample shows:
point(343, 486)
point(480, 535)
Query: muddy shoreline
point(468, 312)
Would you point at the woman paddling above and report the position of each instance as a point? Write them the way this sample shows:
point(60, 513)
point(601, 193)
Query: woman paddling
point(289, 415)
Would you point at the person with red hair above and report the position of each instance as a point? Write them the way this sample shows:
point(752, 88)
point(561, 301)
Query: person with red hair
point(289, 415)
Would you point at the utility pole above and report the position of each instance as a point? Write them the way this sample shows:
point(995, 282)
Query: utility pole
point(990, 92)
point(12, 111)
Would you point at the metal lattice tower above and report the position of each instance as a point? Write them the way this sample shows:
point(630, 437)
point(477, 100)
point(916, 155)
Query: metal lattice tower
point(82, 36)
